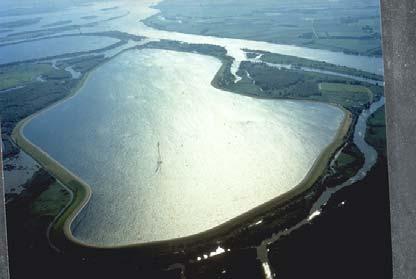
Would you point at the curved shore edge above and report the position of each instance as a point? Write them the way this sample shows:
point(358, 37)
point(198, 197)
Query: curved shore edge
point(82, 192)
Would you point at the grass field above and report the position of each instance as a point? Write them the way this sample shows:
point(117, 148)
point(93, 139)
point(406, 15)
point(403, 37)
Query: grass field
point(11, 76)
point(376, 131)
point(339, 87)
point(349, 161)
point(345, 159)
point(51, 201)
point(345, 94)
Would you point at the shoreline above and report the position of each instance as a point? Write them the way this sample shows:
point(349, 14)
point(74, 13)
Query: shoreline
point(82, 191)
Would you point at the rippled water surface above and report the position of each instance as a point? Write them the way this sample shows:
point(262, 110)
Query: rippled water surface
point(167, 155)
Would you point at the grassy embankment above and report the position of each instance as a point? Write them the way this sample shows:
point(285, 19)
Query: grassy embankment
point(346, 94)
point(81, 191)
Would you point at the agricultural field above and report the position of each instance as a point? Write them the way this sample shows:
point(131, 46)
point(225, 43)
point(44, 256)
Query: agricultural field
point(345, 94)
point(21, 74)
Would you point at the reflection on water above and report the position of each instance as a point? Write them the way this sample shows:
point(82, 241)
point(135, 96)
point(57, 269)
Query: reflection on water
point(167, 155)
point(52, 47)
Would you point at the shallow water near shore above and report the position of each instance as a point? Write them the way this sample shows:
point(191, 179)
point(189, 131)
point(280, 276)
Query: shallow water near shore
point(167, 155)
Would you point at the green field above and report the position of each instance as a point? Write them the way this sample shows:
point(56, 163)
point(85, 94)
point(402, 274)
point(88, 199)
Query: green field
point(20, 74)
point(349, 161)
point(376, 131)
point(348, 88)
point(345, 94)
point(51, 201)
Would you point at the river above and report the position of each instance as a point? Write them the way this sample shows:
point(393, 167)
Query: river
point(370, 158)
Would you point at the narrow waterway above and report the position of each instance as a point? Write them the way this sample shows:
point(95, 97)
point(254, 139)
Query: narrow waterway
point(370, 158)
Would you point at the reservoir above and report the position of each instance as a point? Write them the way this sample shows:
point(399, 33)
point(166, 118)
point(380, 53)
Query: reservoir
point(167, 155)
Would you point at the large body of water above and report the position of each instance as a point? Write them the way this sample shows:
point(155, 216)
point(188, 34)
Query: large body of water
point(167, 155)
point(52, 47)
